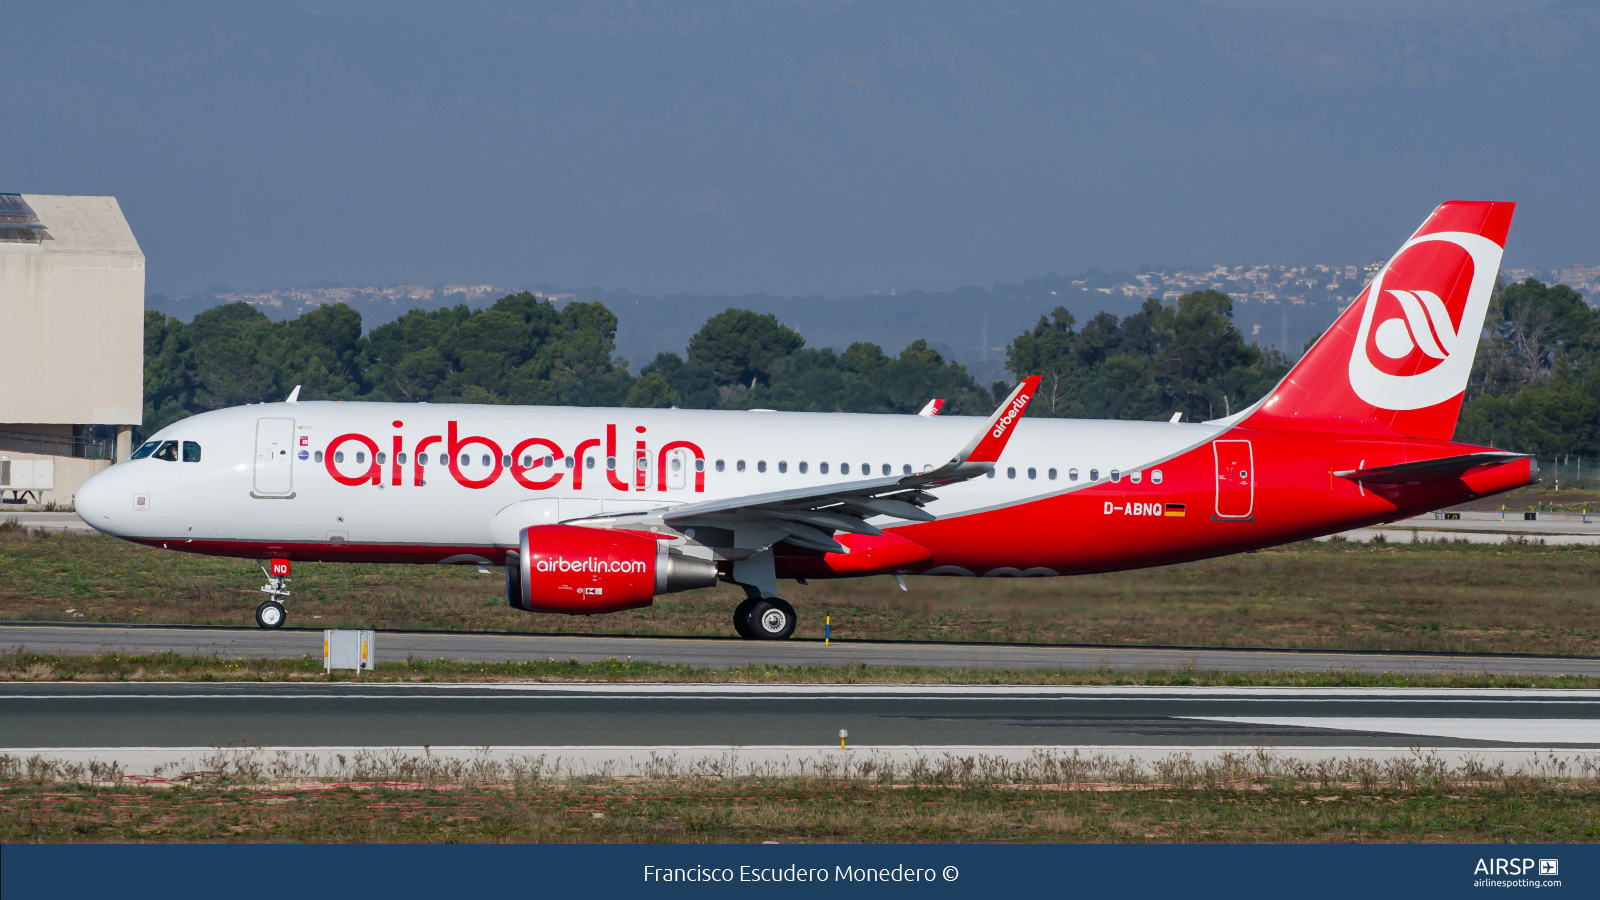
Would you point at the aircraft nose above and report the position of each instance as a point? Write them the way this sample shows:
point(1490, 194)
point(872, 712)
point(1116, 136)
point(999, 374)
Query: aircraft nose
point(95, 500)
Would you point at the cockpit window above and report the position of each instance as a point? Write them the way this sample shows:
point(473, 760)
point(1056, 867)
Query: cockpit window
point(191, 451)
point(148, 448)
point(168, 451)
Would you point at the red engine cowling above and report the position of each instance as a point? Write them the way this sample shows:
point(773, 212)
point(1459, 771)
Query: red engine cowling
point(584, 571)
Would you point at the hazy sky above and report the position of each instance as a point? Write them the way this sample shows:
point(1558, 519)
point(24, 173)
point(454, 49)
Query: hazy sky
point(797, 148)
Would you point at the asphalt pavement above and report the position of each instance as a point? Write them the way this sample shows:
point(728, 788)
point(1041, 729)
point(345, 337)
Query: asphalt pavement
point(245, 642)
point(155, 715)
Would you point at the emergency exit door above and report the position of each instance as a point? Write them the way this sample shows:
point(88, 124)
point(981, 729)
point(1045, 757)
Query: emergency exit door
point(274, 457)
point(1236, 479)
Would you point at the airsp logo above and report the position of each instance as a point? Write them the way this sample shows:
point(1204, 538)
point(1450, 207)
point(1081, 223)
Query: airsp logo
point(1419, 329)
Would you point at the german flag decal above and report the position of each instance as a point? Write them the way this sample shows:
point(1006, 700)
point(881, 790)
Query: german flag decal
point(1175, 509)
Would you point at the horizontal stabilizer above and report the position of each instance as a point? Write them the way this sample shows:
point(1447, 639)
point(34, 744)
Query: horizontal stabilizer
point(1442, 469)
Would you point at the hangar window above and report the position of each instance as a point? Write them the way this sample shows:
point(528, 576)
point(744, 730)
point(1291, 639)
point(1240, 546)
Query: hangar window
point(148, 448)
point(721, 465)
point(191, 451)
point(1032, 473)
point(317, 456)
point(823, 468)
point(168, 451)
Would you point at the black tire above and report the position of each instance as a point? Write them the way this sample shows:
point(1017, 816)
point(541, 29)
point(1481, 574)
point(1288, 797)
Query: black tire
point(270, 614)
point(741, 619)
point(772, 620)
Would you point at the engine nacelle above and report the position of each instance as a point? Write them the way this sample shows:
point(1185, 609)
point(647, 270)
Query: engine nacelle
point(583, 571)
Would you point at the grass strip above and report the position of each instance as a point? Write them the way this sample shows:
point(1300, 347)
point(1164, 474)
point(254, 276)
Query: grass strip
point(179, 667)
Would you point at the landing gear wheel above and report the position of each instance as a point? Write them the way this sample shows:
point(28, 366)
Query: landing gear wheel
point(772, 620)
point(741, 619)
point(270, 614)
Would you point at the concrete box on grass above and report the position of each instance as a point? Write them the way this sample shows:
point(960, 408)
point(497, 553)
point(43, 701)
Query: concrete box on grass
point(346, 649)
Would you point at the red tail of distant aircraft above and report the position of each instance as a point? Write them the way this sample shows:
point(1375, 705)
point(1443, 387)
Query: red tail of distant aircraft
point(597, 510)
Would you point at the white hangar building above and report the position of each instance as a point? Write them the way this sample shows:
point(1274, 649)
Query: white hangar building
point(72, 364)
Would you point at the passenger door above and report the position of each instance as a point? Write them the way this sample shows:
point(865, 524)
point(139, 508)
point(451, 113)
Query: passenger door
point(274, 458)
point(1236, 479)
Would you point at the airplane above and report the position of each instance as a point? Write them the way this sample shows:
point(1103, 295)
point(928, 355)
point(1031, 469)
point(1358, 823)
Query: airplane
point(598, 510)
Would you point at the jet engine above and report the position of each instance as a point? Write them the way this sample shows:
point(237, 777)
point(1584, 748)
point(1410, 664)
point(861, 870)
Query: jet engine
point(586, 571)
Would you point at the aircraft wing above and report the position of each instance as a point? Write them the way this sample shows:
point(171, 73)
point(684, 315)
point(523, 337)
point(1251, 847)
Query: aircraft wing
point(1442, 469)
point(808, 517)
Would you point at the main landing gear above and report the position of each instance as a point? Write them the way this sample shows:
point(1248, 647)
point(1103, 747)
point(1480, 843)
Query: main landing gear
point(271, 614)
point(769, 619)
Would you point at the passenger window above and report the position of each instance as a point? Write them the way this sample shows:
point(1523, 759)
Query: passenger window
point(783, 467)
point(401, 459)
point(844, 468)
point(505, 461)
point(823, 468)
point(1072, 474)
point(990, 473)
point(1052, 474)
point(1094, 474)
point(1011, 472)
point(567, 461)
point(191, 451)
point(676, 465)
point(1137, 477)
point(1116, 476)
point(486, 462)
point(720, 465)
point(866, 468)
point(317, 456)
point(588, 462)
point(338, 456)
point(1032, 473)
point(168, 451)
point(906, 470)
point(700, 465)
point(887, 468)
point(148, 448)
point(739, 465)
point(465, 460)
point(361, 456)
point(802, 467)
point(761, 465)
point(422, 459)
point(527, 461)
point(1155, 476)
point(611, 462)
point(382, 457)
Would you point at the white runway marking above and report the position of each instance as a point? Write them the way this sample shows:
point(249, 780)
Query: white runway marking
point(1513, 731)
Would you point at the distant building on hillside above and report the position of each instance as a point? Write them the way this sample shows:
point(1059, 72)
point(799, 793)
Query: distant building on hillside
point(72, 373)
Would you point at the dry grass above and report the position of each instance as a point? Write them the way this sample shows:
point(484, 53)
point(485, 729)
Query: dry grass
point(1243, 797)
point(1517, 598)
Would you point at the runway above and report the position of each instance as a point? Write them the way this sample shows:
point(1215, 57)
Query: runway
point(235, 643)
point(143, 726)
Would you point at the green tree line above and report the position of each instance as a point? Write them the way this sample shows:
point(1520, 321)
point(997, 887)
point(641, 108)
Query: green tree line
point(1534, 387)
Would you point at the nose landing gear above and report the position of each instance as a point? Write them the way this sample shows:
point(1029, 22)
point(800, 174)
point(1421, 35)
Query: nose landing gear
point(271, 614)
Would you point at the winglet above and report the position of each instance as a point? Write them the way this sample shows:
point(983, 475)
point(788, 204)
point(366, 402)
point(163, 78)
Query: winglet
point(986, 446)
point(933, 407)
point(294, 395)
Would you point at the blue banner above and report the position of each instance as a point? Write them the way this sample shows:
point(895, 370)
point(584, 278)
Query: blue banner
point(239, 872)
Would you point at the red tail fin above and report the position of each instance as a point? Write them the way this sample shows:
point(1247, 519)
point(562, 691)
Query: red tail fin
point(1401, 354)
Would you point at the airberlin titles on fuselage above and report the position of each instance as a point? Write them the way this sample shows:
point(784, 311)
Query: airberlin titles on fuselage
point(531, 462)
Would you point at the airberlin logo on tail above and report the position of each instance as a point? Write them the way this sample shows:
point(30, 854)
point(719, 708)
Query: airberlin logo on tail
point(1420, 325)
point(1017, 406)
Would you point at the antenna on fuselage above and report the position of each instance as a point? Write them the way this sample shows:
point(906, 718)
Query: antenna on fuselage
point(294, 395)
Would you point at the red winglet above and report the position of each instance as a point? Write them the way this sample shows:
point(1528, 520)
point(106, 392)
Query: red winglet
point(992, 442)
